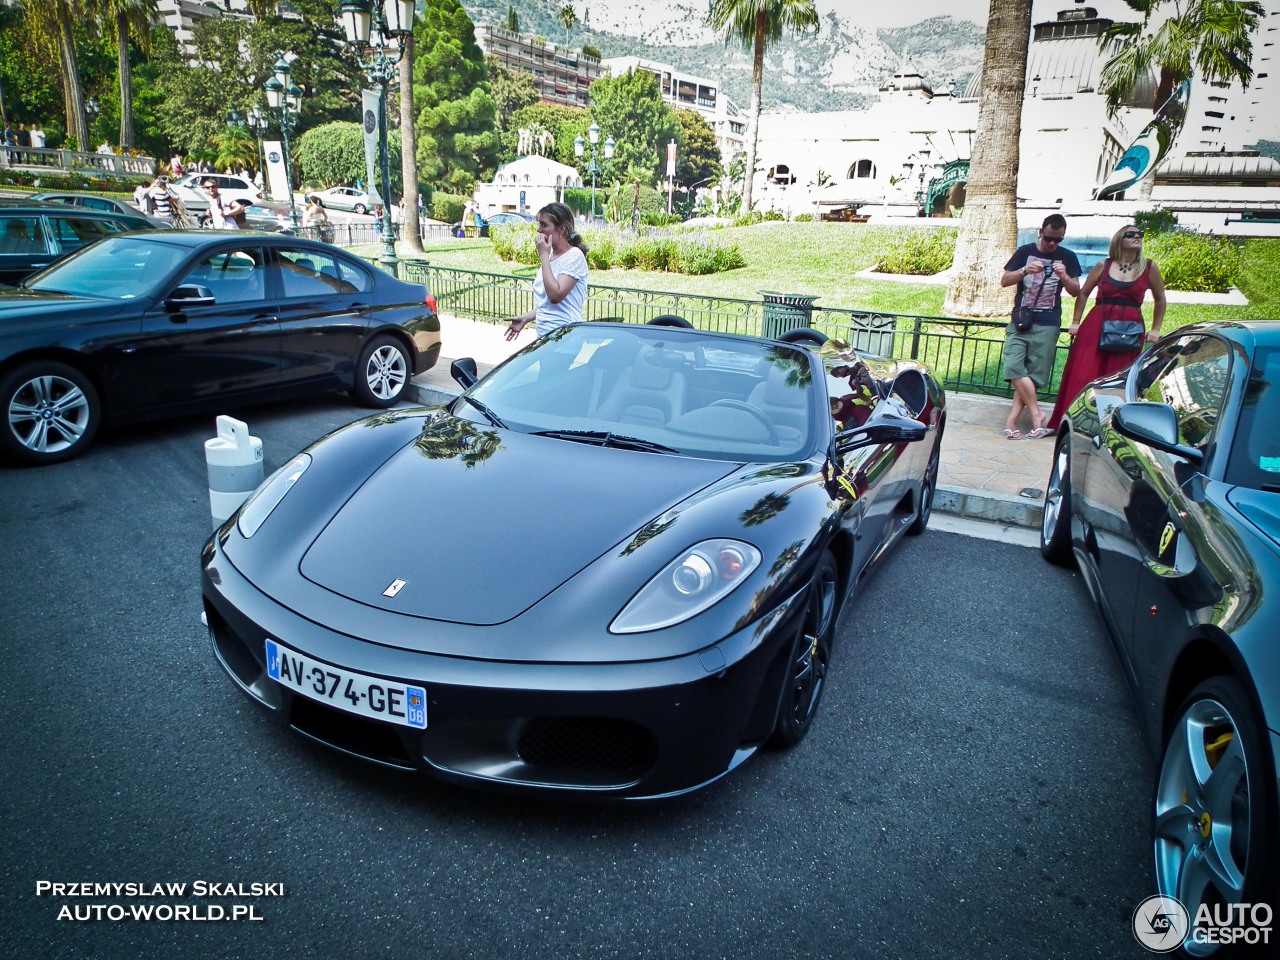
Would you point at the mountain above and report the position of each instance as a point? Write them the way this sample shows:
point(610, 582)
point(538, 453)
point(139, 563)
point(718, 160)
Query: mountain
point(838, 67)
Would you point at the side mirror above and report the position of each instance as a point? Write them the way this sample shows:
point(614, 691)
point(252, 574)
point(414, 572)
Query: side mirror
point(1154, 424)
point(190, 295)
point(885, 425)
point(464, 371)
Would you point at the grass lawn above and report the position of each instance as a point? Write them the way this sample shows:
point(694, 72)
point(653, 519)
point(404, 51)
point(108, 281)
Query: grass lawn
point(821, 259)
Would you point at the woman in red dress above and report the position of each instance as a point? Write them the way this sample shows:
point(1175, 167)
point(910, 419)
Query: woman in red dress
point(1123, 280)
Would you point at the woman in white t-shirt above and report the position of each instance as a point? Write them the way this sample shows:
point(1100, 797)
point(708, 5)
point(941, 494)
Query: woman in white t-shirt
point(560, 288)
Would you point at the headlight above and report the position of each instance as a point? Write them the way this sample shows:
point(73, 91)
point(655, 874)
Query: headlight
point(259, 506)
point(698, 578)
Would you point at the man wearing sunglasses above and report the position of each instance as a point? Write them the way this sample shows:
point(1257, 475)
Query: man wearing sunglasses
point(1042, 271)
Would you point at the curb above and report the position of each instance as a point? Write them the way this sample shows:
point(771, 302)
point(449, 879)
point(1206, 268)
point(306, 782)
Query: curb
point(964, 502)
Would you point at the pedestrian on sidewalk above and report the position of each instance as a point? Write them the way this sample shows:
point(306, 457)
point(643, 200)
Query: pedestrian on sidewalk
point(1042, 270)
point(1122, 281)
point(560, 288)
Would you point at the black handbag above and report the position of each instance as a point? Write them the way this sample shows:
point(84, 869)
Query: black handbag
point(1121, 336)
point(1022, 313)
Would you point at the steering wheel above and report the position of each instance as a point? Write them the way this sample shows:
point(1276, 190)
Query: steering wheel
point(803, 335)
point(670, 320)
point(748, 408)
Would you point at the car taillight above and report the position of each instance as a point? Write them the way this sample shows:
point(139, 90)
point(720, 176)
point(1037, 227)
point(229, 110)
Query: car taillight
point(258, 194)
point(430, 301)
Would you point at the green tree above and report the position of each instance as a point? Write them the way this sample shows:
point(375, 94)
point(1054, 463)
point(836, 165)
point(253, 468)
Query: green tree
point(513, 21)
point(756, 24)
point(334, 153)
point(989, 228)
point(511, 92)
point(31, 90)
point(125, 20)
point(1209, 40)
point(568, 17)
point(196, 99)
point(699, 157)
point(457, 139)
point(630, 109)
point(51, 27)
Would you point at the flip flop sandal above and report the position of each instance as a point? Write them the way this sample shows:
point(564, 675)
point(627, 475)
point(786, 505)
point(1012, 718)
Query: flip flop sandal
point(1012, 434)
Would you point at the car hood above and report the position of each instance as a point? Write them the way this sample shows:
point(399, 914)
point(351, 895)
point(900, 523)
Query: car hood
point(16, 303)
point(1261, 508)
point(482, 524)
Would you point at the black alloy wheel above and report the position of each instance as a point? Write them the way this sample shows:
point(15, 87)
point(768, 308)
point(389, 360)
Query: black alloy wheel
point(1055, 525)
point(383, 373)
point(809, 658)
point(52, 413)
point(928, 488)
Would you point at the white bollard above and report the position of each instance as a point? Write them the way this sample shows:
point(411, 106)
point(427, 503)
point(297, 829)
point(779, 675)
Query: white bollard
point(235, 467)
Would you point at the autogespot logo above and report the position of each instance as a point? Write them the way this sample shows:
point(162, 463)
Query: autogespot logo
point(1160, 924)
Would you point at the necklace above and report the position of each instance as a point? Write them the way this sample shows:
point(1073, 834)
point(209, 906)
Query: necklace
point(1126, 267)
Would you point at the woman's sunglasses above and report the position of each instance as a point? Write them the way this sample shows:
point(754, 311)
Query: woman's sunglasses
point(1133, 234)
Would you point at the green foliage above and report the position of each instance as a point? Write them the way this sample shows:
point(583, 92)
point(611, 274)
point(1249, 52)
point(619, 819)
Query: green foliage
point(511, 92)
point(698, 159)
point(1193, 261)
point(804, 218)
point(609, 248)
point(57, 180)
point(31, 90)
point(564, 123)
point(1156, 221)
point(918, 252)
point(457, 137)
point(659, 219)
point(448, 207)
point(630, 109)
point(622, 203)
point(589, 51)
point(334, 154)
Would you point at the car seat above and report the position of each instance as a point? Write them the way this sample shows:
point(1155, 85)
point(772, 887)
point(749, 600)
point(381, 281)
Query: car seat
point(784, 403)
point(651, 391)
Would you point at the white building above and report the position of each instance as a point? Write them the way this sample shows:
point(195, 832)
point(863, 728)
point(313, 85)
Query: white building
point(526, 186)
point(893, 158)
point(680, 89)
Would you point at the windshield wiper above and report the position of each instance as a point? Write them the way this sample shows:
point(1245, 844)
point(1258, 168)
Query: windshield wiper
point(605, 439)
point(492, 417)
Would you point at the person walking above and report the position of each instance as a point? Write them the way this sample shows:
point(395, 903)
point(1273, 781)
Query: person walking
point(223, 214)
point(1042, 271)
point(1122, 281)
point(560, 288)
point(160, 201)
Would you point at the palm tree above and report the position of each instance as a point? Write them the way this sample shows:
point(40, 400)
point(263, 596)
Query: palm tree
point(568, 16)
point(756, 24)
point(989, 228)
point(51, 25)
point(412, 227)
point(126, 19)
point(1208, 39)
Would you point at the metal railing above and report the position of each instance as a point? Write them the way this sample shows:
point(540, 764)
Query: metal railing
point(367, 232)
point(963, 354)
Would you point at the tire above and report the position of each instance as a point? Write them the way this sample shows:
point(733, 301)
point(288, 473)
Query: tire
point(360, 208)
point(1055, 526)
point(808, 659)
point(927, 490)
point(383, 373)
point(1215, 840)
point(52, 413)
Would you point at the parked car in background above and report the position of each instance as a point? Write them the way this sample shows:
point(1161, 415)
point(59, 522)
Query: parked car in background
point(88, 201)
point(35, 234)
point(346, 198)
point(1165, 491)
point(681, 617)
point(230, 186)
point(269, 218)
point(502, 219)
point(156, 324)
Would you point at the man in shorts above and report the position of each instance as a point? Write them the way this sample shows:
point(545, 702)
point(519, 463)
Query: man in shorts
point(1042, 270)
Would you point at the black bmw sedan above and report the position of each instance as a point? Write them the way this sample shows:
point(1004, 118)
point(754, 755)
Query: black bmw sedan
point(1165, 489)
point(148, 325)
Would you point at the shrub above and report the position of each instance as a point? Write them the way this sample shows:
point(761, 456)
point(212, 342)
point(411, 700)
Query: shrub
point(603, 249)
point(609, 247)
point(804, 218)
point(1196, 262)
point(1156, 221)
point(447, 207)
point(334, 153)
point(923, 252)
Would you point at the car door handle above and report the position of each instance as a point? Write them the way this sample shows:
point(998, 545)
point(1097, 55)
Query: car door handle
point(266, 318)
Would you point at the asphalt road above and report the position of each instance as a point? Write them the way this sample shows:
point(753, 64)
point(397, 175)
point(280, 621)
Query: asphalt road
point(975, 787)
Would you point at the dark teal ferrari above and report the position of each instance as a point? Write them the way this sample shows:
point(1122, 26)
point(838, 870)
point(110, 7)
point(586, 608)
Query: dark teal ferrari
point(1165, 490)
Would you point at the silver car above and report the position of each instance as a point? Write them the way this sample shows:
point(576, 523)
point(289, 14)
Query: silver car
point(346, 198)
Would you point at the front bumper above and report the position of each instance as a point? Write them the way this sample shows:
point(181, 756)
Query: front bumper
point(639, 730)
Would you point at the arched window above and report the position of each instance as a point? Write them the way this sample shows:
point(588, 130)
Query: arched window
point(862, 170)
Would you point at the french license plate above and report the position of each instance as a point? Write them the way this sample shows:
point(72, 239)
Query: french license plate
point(373, 697)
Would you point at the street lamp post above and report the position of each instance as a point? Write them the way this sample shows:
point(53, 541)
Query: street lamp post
point(287, 98)
point(92, 109)
point(384, 23)
point(257, 125)
point(919, 159)
point(579, 148)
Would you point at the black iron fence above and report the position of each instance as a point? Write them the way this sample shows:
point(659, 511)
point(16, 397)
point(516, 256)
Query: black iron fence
point(963, 354)
point(366, 232)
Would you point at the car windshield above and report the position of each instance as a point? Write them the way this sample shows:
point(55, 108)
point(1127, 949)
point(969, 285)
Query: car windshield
point(656, 388)
point(118, 268)
point(1255, 453)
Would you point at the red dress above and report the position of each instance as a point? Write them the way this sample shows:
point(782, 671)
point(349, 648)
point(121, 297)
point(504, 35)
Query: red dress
point(1117, 300)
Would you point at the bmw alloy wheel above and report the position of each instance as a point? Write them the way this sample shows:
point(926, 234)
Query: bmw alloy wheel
point(383, 375)
point(52, 412)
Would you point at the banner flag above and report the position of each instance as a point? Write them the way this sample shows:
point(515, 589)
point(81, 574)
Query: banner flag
point(1146, 152)
point(277, 179)
point(371, 106)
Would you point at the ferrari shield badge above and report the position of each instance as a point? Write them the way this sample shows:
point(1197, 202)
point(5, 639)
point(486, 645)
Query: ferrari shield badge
point(1167, 536)
point(396, 587)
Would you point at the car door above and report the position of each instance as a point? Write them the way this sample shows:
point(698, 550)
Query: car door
point(323, 301)
point(24, 246)
point(195, 354)
point(70, 233)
